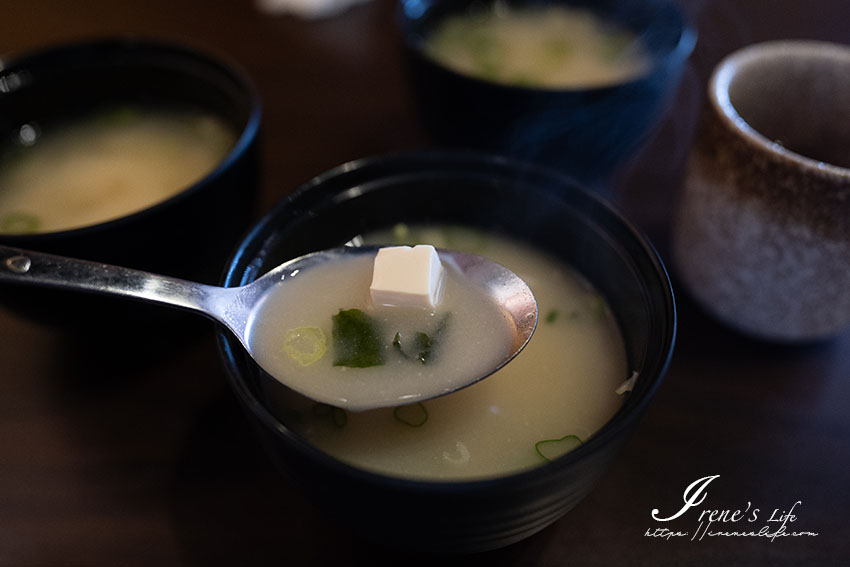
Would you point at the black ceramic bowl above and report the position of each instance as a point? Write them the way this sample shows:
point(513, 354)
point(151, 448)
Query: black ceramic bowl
point(585, 132)
point(190, 234)
point(533, 205)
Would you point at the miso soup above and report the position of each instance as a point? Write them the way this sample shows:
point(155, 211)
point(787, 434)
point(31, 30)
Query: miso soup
point(551, 47)
point(552, 397)
point(320, 330)
point(104, 166)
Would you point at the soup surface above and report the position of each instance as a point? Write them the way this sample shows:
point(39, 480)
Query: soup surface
point(105, 166)
point(552, 46)
point(552, 396)
point(322, 333)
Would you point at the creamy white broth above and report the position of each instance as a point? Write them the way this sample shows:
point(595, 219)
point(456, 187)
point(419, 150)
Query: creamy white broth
point(464, 320)
point(563, 384)
point(551, 46)
point(105, 166)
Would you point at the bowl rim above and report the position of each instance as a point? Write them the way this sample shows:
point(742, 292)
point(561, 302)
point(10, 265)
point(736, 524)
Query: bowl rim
point(409, 10)
point(19, 62)
point(613, 428)
point(740, 61)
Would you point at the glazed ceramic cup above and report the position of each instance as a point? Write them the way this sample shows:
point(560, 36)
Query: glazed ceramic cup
point(761, 236)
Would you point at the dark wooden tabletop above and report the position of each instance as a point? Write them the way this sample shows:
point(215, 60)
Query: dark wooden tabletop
point(140, 456)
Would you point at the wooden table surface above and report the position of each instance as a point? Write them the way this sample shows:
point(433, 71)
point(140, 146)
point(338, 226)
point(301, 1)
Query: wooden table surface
point(140, 456)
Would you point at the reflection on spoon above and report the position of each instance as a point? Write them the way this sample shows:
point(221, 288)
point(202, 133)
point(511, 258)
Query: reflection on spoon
point(277, 300)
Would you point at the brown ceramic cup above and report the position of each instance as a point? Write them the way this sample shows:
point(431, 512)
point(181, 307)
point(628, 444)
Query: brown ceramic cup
point(761, 235)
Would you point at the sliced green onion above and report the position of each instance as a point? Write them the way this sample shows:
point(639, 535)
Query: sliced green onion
point(305, 345)
point(337, 416)
point(19, 222)
point(414, 415)
point(551, 449)
point(552, 316)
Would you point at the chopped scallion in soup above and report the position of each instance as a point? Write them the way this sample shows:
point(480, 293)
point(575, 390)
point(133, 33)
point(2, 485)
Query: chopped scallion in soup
point(551, 46)
point(553, 396)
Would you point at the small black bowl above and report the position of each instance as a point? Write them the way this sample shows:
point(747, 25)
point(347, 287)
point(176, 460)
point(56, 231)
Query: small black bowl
point(524, 202)
point(188, 235)
point(585, 132)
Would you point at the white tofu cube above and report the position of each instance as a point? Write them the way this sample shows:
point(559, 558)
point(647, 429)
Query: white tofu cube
point(405, 276)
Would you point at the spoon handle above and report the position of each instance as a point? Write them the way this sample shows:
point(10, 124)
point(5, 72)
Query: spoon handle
point(36, 268)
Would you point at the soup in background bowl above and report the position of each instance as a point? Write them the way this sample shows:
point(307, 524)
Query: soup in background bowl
point(368, 486)
point(114, 162)
point(571, 84)
point(129, 151)
point(546, 46)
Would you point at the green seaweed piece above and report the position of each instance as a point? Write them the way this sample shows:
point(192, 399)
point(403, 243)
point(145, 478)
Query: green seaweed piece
point(355, 339)
point(423, 343)
point(397, 344)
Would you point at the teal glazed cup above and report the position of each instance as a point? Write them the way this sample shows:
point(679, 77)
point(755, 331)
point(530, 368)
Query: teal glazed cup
point(761, 236)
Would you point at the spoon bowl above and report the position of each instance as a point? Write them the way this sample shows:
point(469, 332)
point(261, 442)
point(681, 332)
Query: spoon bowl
point(234, 307)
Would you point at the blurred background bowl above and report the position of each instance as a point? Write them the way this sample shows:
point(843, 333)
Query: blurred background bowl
point(531, 205)
point(187, 235)
point(586, 132)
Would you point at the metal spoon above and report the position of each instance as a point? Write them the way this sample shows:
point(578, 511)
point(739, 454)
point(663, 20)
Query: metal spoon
point(233, 307)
